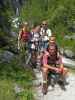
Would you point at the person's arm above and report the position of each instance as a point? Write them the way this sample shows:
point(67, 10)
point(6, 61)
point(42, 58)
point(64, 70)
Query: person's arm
point(49, 32)
point(60, 60)
point(19, 38)
point(59, 70)
point(61, 65)
point(46, 65)
point(50, 67)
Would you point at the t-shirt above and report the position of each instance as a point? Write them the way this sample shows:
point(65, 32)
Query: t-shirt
point(46, 59)
point(45, 37)
point(25, 36)
point(35, 36)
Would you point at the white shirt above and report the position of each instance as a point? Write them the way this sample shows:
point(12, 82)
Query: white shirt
point(46, 36)
point(35, 37)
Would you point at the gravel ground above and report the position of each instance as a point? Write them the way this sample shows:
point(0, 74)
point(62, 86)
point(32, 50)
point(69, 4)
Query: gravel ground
point(57, 93)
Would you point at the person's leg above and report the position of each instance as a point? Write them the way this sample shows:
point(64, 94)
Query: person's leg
point(38, 62)
point(64, 75)
point(46, 44)
point(44, 74)
point(41, 45)
point(44, 85)
point(65, 72)
point(21, 46)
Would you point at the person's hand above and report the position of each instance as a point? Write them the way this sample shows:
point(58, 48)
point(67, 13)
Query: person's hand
point(18, 46)
point(61, 69)
point(58, 70)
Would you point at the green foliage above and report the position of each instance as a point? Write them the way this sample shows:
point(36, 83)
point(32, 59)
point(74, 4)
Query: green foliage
point(26, 95)
point(6, 90)
point(16, 70)
point(59, 13)
point(61, 17)
point(11, 73)
point(6, 12)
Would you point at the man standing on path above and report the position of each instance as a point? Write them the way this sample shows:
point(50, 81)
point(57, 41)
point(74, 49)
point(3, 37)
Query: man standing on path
point(45, 33)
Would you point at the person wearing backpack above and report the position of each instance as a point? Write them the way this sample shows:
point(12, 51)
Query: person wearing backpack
point(35, 38)
point(51, 58)
point(45, 33)
point(24, 36)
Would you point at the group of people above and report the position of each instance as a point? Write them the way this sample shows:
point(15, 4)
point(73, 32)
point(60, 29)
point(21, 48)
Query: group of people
point(34, 39)
point(38, 33)
point(40, 38)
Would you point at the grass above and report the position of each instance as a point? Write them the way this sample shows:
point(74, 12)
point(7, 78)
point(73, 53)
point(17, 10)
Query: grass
point(13, 73)
point(6, 90)
point(70, 44)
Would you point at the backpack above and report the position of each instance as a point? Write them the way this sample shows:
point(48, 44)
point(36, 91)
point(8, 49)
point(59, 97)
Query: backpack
point(35, 36)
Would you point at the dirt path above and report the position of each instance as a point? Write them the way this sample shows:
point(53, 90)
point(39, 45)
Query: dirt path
point(57, 93)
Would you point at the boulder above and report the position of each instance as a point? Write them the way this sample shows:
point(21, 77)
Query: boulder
point(68, 62)
point(69, 37)
point(69, 54)
point(13, 34)
point(6, 56)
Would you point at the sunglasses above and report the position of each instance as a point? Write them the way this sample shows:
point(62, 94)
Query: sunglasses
point(44, 24)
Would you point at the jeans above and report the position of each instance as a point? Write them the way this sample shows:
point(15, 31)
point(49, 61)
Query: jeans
point(43, 45)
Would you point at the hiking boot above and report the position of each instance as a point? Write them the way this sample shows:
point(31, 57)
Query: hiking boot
point(44, 88)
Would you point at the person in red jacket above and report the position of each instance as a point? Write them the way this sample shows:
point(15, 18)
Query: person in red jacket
point(24, 36)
